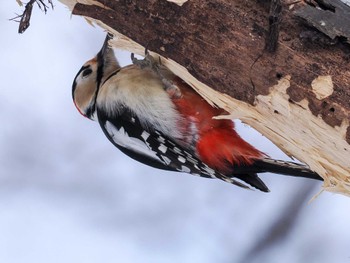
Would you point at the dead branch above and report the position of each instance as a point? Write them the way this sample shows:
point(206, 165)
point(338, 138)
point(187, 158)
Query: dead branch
point(24, 18)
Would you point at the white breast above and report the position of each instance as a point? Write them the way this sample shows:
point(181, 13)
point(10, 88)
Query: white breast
point(142, 92)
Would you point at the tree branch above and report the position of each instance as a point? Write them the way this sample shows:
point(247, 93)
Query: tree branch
point(300, 97)
point(24, 18)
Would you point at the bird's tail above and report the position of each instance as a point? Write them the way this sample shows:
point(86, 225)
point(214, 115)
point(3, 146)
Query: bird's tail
point(249, 173)
point(286, 168)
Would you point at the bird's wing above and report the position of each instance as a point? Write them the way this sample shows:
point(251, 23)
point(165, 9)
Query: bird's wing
point(153, 148)
point(129, 139)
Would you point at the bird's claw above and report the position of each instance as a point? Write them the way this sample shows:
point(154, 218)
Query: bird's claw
point(147, 62)
point(150, 62)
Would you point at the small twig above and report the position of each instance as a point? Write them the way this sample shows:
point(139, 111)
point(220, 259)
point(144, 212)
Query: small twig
point(43, 6)
point(24, 21)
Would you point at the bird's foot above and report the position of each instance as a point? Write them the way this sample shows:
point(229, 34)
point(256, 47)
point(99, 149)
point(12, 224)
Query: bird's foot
point(150, 62)
point(171, 88)
point(147, 62)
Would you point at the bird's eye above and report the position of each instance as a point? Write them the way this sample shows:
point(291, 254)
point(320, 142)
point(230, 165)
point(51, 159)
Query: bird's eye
point(87, 72)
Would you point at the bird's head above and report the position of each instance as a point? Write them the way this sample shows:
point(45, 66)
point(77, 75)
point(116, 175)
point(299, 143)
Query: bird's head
point(90, 77)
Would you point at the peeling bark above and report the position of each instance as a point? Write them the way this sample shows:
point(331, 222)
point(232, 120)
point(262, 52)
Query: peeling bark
point(221, 44)
point(330, 17)
point(189, 35)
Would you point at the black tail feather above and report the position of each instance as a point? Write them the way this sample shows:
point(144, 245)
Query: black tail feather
point(286, 168)
point(253, 180)
point(248, 173)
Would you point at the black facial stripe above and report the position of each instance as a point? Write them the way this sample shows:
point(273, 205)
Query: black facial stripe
point(113, 74)
point(91, 109)
point(99, 76)
point(100, 63)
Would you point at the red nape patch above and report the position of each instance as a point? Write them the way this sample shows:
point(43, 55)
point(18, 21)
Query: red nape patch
point(221, 147)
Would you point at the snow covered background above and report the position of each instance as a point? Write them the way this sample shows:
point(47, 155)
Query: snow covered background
point(67, 195)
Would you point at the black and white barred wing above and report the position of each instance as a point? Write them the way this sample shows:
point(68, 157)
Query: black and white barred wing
point(155, 149)
point(128, 139)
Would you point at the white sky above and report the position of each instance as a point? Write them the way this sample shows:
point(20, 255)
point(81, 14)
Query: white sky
point(67, 195)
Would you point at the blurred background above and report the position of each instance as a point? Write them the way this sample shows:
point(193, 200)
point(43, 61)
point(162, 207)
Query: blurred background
point(67, 195)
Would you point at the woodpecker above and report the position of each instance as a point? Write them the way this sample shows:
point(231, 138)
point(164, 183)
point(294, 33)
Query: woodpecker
point(154, 117)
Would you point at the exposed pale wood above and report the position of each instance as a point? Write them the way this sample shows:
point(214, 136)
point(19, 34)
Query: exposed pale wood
point(322, 86)
point(178, 2)
point(305, 122)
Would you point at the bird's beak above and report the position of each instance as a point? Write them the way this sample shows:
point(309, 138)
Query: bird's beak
point(102, 54)
point(105, 48)
point(106, 61)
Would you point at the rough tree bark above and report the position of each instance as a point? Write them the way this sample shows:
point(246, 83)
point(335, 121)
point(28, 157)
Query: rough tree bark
point(297, 96)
